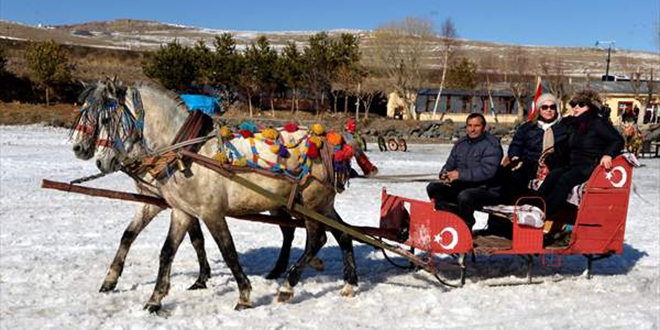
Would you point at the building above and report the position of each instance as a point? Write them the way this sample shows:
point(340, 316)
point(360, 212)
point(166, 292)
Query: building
point(500, 103)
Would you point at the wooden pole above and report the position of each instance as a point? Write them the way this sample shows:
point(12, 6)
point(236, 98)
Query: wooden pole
point(112, 194)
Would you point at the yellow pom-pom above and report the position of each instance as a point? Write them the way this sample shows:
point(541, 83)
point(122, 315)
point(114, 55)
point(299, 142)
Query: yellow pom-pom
point(220, 157)
point(317, 129)
point(226, 133)
point(240, 162)
point(334, 138)
point(317, 141)
point(275, 148)
point(270, 133)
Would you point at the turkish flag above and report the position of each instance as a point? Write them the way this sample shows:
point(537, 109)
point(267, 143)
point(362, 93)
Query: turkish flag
point(537, 94)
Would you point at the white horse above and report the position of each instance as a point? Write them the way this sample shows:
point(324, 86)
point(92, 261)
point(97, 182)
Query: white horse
point(84, 137)
point(204, 194)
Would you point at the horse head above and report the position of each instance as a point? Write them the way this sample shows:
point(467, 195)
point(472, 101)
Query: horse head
point(106, 124)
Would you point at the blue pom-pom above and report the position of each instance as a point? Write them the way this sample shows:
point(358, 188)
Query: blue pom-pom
point(248, 126)
point(284, 152)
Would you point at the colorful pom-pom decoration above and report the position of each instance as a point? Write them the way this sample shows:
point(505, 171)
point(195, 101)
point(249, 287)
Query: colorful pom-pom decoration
point(348, 151)
point(275, 148)
point(270, 133)
point(245, 133)
point(220, 157)
point(339, 156)
point(312, 151)
point(317, 129)
point(248, 126)
point(284, 152)
point(290, 127)
point(226, 133)
point(334, 138)
point(317, 141)
point(240, 162)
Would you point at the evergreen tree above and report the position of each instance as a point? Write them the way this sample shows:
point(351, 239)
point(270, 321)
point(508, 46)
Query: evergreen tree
point(3, 62)
point(292, 66)
point(49, 64)
point(173, 65)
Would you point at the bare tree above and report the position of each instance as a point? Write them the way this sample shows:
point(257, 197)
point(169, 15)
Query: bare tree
point(518, 77)
point(368, 90)
point(554, 75)
point(643, 97)
point(398, 50)
point(449, 42)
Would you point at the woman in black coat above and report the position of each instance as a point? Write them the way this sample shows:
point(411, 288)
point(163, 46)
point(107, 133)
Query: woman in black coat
point(590, 141)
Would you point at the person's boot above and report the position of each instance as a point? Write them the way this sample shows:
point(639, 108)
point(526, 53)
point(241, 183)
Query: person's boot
point(367, 167)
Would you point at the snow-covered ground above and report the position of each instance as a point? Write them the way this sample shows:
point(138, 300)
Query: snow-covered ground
point(55, 247)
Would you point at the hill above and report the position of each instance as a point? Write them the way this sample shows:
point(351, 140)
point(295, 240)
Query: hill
point(126, 35)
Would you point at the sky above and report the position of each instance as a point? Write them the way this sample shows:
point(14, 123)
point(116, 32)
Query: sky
point(632, 24)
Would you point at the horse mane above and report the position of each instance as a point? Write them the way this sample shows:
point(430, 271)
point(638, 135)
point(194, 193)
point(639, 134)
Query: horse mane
point(180, 104)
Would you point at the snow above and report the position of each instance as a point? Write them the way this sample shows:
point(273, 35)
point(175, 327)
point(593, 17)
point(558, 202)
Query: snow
point(55, 247)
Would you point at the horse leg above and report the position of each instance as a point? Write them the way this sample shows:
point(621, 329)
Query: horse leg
point(346, 245)
point(143, 216)
point(316, 238)
point(197, 240)
point(220, 232)
point(285, 252)
point(180, 221)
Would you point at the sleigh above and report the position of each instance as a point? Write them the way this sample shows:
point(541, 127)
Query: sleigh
point(597, 232)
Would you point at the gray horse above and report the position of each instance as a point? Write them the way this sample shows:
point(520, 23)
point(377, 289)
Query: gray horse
point(84, 136)
point(204, 194)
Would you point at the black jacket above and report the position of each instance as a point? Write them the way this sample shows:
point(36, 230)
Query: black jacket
point(476, 160)
point(588, 138)
point(527, 143)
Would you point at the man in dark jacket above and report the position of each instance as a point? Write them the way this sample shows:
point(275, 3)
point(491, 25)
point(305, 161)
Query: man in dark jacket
point(466, 180)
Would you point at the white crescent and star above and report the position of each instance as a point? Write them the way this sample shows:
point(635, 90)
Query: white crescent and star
point(624, 177)
point(454, 238)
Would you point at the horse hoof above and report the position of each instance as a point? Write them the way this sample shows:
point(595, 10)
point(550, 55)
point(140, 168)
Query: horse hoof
point(152, 307)
point(347, 291)
point(284, 297)
point(317, 264)
point(242, 306)
point(197, 286)
point(108, 286)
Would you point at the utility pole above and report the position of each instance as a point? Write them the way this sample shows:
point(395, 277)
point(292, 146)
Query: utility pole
point(610, 44)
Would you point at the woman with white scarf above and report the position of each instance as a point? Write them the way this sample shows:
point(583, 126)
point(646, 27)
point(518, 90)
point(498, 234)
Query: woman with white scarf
point(531, 143)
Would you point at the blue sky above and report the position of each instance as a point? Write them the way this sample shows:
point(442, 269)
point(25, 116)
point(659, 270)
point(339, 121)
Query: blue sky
point(631, 23)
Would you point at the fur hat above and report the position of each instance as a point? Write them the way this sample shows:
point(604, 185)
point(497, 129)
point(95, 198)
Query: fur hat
point(545, 98)
point(588, 96)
